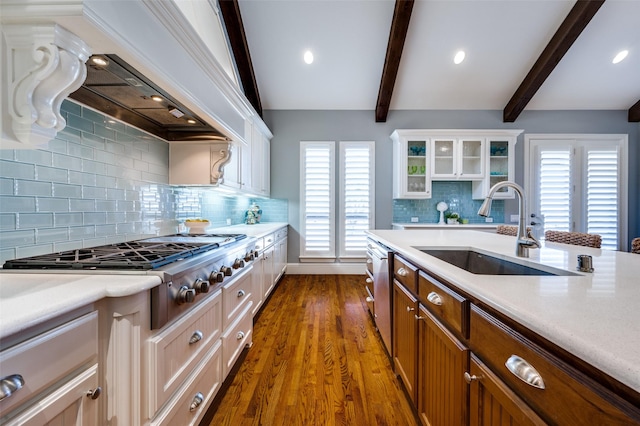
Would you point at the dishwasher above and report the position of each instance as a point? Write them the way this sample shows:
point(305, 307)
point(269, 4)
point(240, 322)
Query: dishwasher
point(379, 257)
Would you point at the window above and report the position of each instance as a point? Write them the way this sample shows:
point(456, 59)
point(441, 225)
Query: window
point(317, 200)
point(356, 197)
point(578, 183)
point(318, 191)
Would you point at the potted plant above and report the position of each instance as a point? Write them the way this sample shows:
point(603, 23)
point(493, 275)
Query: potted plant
point(452, 218)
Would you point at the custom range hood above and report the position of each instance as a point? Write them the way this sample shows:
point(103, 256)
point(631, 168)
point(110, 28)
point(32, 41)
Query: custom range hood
point(117, 89)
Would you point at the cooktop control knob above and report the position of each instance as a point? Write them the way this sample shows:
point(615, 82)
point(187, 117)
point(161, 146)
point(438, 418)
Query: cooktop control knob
point(226, 271)
point(238, 263)
point(201, 286)
point(248, 257)
point(216, 277)
point(186, 295)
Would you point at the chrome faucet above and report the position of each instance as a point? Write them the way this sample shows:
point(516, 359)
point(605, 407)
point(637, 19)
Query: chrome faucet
point(525, 239)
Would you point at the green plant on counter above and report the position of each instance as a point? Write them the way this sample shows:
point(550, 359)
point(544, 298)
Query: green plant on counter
point(449, 215)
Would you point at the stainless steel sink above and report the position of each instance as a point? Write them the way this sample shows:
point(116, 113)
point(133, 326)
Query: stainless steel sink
point(484, 264)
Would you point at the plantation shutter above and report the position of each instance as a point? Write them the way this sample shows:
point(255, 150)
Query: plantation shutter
point(356, 197)
point(317, 200)
point(602, 196)
point(555, 188)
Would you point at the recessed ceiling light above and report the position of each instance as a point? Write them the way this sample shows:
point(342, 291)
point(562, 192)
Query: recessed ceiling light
point(191, 121)
point(620, 56)
point(308, 57)
point(459, 57)
point(157, 98)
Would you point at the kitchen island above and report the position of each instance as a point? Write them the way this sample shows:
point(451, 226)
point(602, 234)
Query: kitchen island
point(591, 317)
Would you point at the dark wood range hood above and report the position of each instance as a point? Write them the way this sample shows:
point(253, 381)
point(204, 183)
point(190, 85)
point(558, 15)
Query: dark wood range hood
point(120, 91)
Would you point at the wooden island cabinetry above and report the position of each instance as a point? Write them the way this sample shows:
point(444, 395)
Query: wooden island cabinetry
point(462, 363)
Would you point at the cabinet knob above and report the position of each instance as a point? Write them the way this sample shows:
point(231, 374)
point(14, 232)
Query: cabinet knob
point(369, 261)
point(410, 309)
point(197, 400)
point(434, 298)
point(418, 317)
point(369, 281)
point(402, 272)
point(10, 384)
point(524, 371)
point(94, 393)
point(240, 335)
point(470, 378)
point(369, 299)
point(241, 293)
point(195, 337)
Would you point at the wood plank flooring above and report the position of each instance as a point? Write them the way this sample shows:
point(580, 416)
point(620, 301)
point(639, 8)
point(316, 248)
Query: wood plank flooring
point(316, 360)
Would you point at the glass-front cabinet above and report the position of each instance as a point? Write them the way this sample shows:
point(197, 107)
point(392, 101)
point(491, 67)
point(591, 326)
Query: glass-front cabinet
point(457, 158)
point(411, 177)
point(420, 156)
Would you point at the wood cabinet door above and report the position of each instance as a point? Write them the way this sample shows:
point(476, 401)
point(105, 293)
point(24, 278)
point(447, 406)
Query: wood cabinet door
point(442, 362)
point(405, 350)
point(491, 402)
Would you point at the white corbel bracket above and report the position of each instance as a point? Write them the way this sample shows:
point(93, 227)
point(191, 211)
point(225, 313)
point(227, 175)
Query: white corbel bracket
point(43, 65)
point(220, 155)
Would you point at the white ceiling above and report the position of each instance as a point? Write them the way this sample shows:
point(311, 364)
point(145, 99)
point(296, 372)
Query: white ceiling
point(502, 40)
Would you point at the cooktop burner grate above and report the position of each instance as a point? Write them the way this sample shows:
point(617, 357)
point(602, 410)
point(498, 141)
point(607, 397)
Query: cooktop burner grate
point(127, 255)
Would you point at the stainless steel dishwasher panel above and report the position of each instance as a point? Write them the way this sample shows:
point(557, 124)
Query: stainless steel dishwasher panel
point(381, 290)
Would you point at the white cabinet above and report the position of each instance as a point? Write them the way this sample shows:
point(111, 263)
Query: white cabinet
point(204, 163)
point(457, 158)
point(280, 254)
point(483, 156)
point(260, 163)
point(411, 164)
point(58, 370)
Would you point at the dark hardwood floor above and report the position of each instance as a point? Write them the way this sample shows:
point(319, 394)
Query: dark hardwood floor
point(316, 360)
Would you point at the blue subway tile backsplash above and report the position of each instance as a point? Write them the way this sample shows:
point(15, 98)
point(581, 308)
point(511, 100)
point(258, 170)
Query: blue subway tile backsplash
point(458, 195)
point(102, 182)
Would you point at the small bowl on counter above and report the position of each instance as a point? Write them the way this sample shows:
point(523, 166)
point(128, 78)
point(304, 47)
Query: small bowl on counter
point(197, 226)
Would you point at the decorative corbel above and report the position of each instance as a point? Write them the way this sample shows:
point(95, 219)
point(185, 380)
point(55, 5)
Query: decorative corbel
point(43, 65)
point(220, 155)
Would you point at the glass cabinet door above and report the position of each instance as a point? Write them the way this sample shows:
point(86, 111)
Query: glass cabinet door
point(417, 168)
point(471, 158)
point(498, 163)
point(444, 158)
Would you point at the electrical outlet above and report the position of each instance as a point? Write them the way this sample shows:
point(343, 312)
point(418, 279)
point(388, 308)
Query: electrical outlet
point(488, 219)
point(514, 218)
point(414, 219)
point(228, 221)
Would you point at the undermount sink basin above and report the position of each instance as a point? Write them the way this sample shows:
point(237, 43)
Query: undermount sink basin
point(484, 264)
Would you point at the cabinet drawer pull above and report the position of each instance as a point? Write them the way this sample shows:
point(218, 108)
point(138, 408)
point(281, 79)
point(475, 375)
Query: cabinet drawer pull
point(418, 317)
point(10, 384)
point(524, 371)
point(94, 393)
point(402, 272)
point(470, 378)
point(197, 400)
point(240, 335)
point(241, 293)
point(196, 337)
point(434, 298)
point(410, 309)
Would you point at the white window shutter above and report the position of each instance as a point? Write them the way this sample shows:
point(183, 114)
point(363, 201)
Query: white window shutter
point(356, 197)
point(317, 195)
point(602, 196)
point(555, 189)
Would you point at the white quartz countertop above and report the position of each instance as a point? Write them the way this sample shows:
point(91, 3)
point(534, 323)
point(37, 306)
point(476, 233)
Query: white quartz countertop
point(28, 299)
point(258, 230)
point(457, 227)
point(595, 316)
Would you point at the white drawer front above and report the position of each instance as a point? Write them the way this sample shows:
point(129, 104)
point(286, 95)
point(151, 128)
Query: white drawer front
point(235, 338)
point(206, 380)
point(236, 295)
point(49, 357)
point(175, 351)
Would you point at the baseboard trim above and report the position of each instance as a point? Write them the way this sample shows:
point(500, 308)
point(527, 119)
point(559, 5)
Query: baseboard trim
point(326, 268)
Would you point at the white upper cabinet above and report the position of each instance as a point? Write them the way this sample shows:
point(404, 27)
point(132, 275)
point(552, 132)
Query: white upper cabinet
point(411, 165)
point(421, 156)
point(457, 158)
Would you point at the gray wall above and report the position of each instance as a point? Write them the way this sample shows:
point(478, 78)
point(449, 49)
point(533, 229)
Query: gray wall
point(291, 127)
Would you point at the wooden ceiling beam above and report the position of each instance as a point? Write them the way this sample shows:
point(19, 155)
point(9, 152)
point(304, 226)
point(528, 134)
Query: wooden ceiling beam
point(634, 113)
point(573, 25)
point(397, 36)
point(235, 31)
